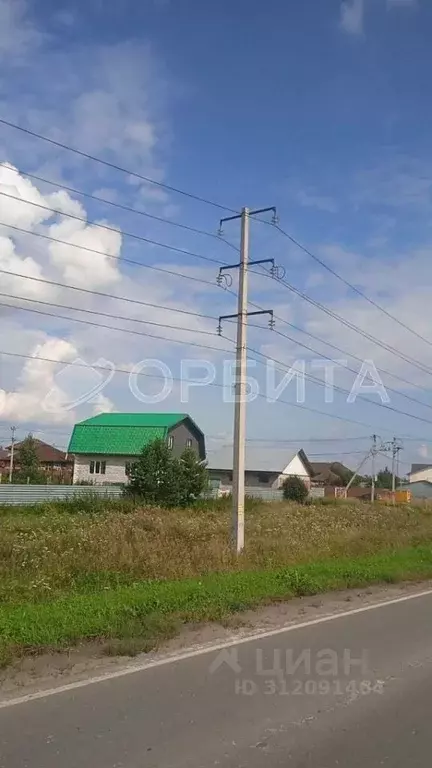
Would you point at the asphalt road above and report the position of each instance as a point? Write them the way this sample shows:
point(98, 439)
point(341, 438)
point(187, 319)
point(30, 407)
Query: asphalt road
point(354, 692)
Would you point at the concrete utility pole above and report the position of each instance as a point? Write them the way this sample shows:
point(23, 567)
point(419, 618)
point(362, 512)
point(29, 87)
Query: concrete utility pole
point(241, 363)
point(395, 448)
point(373, 452)
point(11, 460)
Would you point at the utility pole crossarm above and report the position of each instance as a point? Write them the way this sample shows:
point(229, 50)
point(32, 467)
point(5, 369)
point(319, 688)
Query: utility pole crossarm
point(247, 314)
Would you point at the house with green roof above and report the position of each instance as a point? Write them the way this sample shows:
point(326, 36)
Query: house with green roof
point(105, 446)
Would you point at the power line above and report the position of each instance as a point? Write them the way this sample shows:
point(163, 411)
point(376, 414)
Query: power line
point(315, 380)
point(97, 293)
point(126, 330)
point(128, 209)
point(191, 381)
point(347, 323)
point(115, 167)
point(310, 377)
point(207, 283)
point(304, 439)
point(188, 277)
point(390, 389)
point(208, 202)
point(104, 314)
point(344, 352)
point(350, 285)
point(95, 312)
point(121, 259)
point(285, 283)
point(107, 228)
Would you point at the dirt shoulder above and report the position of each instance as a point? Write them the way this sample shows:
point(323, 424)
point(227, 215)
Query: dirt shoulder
point(88, 660)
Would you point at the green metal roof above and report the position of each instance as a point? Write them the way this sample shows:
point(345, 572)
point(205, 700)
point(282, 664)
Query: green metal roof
point(166, 420)
point(121, 433)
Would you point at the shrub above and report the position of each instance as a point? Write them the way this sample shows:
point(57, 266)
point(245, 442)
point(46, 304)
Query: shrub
point(294, 489)
point(160, 478)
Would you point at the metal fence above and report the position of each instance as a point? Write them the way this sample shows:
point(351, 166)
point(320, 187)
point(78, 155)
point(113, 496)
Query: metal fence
point(266, 494)
point(35, 494)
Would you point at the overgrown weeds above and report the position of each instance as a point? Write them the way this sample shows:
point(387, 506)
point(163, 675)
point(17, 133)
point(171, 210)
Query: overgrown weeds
point(77, 547)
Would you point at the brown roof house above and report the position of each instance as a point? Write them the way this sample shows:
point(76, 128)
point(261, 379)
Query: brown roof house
point(330, 473)
point(4, 463)
point(53, 461)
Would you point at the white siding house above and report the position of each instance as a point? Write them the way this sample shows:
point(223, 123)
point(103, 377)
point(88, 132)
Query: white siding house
point(420, 472)
point(271, 479)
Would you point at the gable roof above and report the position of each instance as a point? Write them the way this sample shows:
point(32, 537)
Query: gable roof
point(123, 434)
point(320, 467)
point(262, 466)
point(305, 461)
point(419, 467)
point(44, 452)
point(164, 420)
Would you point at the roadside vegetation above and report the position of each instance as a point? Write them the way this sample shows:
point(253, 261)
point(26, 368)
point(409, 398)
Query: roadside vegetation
point(129, 575)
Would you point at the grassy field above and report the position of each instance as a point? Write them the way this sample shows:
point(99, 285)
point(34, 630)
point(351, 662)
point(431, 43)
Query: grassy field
point(131, 575)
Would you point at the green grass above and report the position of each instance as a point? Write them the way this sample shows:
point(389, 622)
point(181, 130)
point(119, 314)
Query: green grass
point(137, 617)
point(130, 575)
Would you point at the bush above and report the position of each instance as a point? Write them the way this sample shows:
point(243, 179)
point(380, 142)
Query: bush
point(294, 489)
point(161, 479)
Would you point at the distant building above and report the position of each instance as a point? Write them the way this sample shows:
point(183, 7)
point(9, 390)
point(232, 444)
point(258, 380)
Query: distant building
point(420, 489)
point(420, 472)
point(4, 462)
point(105, 446)
point(53, 461)
point(329, 473)
point(271, 479)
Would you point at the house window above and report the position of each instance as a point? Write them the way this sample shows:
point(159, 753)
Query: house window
point(128, 468)
point(97, 468)
point(171, 442)
point(263, 479)
point(103, 467)
point(189, 443)
point(92, 467)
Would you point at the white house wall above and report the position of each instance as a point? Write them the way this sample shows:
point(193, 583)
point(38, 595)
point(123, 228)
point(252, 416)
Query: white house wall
point(295, 467)
point(115, 469)
point(423, 474)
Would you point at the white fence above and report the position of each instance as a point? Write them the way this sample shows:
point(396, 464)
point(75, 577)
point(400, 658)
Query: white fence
point(35, 494)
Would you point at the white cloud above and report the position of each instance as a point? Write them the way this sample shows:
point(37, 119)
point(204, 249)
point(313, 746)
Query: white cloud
point(24, 394)
point(18, 35)
point(78, 266)
point(352, 13)
point(351, 16)
point(321, 202)
point(36, 379)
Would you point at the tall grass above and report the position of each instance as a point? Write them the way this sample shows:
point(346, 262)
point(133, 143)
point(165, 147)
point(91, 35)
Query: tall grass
point(83, 546)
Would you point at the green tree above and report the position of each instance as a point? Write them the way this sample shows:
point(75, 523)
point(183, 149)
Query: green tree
point(294, 489)
point(193, 477)
point(160, 478)
point(384, 479)
point(26, 459)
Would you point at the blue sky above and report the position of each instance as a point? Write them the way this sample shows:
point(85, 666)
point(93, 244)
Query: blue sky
point(322, 109)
